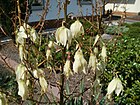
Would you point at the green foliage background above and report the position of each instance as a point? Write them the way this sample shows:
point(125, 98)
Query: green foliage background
point(124, 59)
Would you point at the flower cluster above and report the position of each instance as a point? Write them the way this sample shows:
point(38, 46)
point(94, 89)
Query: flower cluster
point(22, 33)
point(25, 31)
point(22, 71)
point(64, 36)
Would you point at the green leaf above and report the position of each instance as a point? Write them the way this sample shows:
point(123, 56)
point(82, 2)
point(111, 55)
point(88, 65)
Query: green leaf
point(67, 87)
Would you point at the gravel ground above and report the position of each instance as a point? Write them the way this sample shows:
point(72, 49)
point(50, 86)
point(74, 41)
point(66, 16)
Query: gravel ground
point(9, 50)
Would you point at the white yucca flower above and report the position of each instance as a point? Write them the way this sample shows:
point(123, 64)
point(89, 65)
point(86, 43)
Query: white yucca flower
point(67, 69)
point(92, 62)
point(22, 89)
point(63, 35)
point(3, 100)
point(96, 39)
point(33, 35)
point(77, 28)
point(43, 84)
point(103, 53)
point(22, 52)
point(22, 32)
point(20, 72)
point(80, 63)
point(20, 40)
point(114, 85)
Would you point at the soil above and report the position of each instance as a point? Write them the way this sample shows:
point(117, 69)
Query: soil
point(9, 50)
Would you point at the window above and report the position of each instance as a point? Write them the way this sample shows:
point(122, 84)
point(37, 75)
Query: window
point(85, 2)
point(37, 4)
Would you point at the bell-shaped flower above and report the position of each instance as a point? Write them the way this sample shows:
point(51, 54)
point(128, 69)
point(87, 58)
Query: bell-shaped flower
point(20, 72)
point(92, 62)
point(3, 100)
point(67, 68)
point(77, 28)
point(43, 84)
point(103, 53)
point(114, 85)
point(80, 63)
point(33, 35)
point(22, 52)
point(63, 35)
point(22, 89)
point(20, 40)
point(22, 32)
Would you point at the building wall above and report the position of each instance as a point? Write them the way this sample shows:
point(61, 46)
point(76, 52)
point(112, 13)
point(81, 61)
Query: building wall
point(53, 11)
point(130, 7)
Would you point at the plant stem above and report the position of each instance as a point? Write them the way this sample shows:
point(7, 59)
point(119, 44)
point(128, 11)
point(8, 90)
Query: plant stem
point(65, 10)
point(62, 78)
point(19, 12)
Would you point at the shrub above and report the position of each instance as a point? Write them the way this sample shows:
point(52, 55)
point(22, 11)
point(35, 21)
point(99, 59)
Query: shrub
point(124, 58)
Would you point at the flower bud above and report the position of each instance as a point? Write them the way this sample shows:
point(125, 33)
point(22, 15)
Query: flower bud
point(48, 54)
point(96, 39)
point(92, 62)
point(67, 69)
point(96, 51)
point(38, 73)
point(103, 53)
point(43, 84)
point(50, 45)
